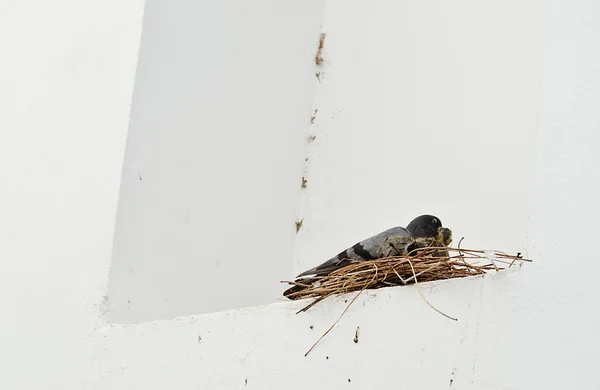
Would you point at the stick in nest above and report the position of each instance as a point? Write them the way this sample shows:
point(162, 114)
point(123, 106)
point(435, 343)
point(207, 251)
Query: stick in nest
point(426, 264)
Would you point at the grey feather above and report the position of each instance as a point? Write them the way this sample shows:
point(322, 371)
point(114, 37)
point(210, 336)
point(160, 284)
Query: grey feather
point(372, 248)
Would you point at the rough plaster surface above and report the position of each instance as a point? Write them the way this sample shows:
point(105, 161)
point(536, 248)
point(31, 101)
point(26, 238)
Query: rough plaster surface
point(60, 169)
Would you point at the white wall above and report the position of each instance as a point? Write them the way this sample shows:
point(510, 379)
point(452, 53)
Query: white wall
point(418, 112)
point(61, 166)
point(212, 172)
point(67, 74)
point(425, 108)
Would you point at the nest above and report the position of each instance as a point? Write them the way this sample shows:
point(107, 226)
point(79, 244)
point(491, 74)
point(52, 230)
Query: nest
point(421, 265)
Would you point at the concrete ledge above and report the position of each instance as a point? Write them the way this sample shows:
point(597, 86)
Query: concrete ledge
point(401, 340)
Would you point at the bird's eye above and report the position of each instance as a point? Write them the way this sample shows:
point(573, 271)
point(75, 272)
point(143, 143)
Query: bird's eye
point(434, 221)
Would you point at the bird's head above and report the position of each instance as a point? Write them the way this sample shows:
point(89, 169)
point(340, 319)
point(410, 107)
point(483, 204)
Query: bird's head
point(444, 236)
point(425, 226)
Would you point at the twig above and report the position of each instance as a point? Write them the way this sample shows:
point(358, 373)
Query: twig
point(335, 323)
point(426, 265)
point(426, 301)
point(459, 252)
point(344, 312)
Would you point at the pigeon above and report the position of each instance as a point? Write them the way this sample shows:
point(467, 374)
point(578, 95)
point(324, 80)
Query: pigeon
point(403, 246)
point(380, 245)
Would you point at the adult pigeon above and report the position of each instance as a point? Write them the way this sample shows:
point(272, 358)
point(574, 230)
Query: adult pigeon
point(383, 244)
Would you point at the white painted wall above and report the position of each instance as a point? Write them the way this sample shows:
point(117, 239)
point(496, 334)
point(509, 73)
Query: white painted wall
point(61, 167)
point(423, 108)
point(66, 74)
point(212, 171)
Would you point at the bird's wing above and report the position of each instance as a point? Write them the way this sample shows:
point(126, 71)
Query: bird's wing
point(375, 245)
point(369, 249)
point(327, 267)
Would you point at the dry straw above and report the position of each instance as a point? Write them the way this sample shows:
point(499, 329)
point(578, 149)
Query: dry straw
point(421, 265)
